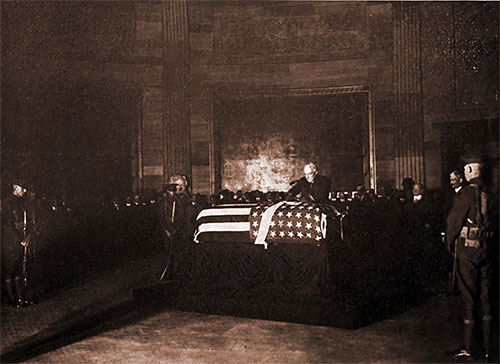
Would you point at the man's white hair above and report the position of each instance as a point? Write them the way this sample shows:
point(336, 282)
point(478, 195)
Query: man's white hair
point(311, 166)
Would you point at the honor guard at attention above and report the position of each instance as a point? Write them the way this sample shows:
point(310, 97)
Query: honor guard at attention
point(473, 225)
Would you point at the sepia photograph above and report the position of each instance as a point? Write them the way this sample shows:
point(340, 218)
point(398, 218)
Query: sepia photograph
point(264, 181)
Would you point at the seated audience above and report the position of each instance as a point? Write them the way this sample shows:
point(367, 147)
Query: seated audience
point(360, 192)
point(238, 196)
point(226, 196)
point(370, 196)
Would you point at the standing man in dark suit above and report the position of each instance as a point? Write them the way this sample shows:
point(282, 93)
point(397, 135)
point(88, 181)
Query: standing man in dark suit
point(457, 183)
point(457, 180)
point(472, 223)
point(407, 184)
point(311, 187)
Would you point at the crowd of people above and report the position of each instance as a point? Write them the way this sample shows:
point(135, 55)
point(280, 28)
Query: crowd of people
point(463, 227)
point(49, 241)
point(86, 230)
point(82, 228)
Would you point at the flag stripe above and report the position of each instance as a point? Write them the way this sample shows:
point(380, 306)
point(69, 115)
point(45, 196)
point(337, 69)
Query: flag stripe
point(222, 227)
point(227, 218)
point(224, 212)
point(224, 237)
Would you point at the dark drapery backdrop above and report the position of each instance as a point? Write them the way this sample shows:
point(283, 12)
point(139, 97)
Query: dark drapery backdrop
point(474, 137)
point(265, 141)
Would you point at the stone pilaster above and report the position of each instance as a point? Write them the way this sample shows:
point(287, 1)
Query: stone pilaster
point(409, 141)
point(175, 83)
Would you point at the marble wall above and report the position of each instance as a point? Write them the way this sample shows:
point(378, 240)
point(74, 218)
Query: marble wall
point(426, 67)
point(289, 46)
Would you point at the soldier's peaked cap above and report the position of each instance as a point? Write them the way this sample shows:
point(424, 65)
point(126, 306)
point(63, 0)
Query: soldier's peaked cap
point(472, 159)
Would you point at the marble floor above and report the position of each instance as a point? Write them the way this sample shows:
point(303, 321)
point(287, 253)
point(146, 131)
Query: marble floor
point(99, 320)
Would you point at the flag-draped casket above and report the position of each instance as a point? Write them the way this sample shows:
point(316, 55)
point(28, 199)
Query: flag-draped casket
point(254, 260)
point(318, 267)
point(283, 222)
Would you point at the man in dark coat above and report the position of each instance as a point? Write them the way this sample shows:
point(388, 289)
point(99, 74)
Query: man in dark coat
point(408, 184)
point(424, 210)
point(472, 224)
point(457, 183)
point(311, 187)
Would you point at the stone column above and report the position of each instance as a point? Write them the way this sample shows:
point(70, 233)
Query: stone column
point(409, 141)
point(176, 132)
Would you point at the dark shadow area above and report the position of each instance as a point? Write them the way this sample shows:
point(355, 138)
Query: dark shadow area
point(462, 138)
point(75, 245)
point(78, 141)
point(81, 324)
point(333, 311)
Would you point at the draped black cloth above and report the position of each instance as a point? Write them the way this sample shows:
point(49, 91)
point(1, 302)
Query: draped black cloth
point(375, 270)
point(248, 270)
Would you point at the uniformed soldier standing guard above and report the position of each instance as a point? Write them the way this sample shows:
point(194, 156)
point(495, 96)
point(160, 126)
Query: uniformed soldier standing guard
point(17, 233)
point(473, 223)
point(175, 214)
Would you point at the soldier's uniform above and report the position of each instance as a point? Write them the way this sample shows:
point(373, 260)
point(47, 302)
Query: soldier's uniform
point(176, 222)
point(471, 224)
point(17, 226)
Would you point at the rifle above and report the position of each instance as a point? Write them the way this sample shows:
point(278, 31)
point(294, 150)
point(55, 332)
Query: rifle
point(169, 256)
point(25, 244)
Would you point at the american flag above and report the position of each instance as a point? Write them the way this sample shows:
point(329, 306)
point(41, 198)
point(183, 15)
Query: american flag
point(291, 222)
point(224, 223)
point(287, 222)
